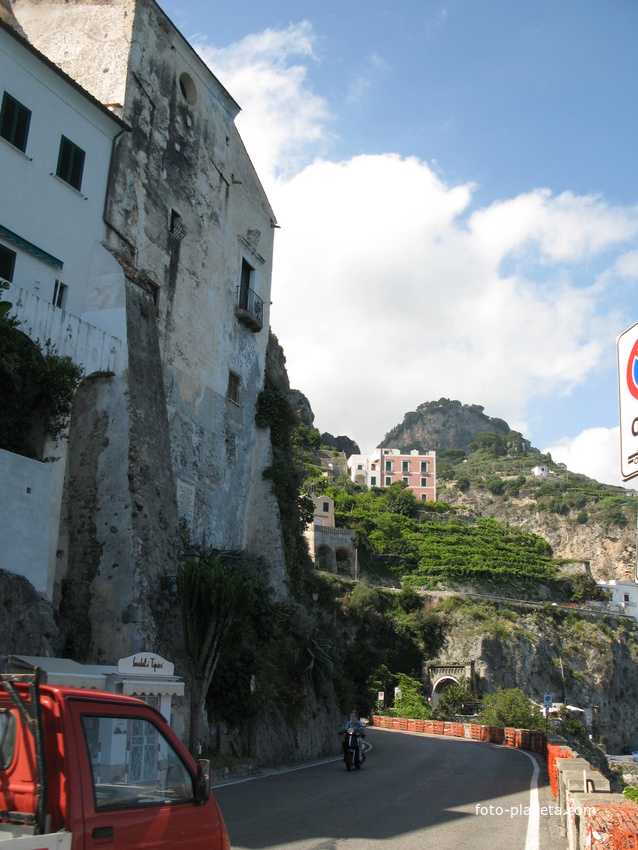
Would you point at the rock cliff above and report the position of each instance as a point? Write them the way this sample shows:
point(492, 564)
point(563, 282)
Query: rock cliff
point(443, 424)
point(523, 646)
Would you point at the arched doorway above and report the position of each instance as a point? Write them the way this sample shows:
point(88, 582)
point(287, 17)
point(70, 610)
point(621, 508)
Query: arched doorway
point(344, 561)
point(440, 685)
point(324, 558)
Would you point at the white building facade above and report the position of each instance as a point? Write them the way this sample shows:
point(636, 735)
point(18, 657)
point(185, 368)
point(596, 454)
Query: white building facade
point(56, 142)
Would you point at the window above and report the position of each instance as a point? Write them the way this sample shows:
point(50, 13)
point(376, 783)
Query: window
point(424, 497)
point(406, 466)
point(326, 507)
point(176, 226)
point(424, 482)
point(70, 163)
point(7, 738)
point(405, 479)
point(626, 597)
point(388, 466)
point(187, 88)
point(7, 263)
point(424, 466)
point(373, 481)
point(234, 382)
point(59, 294)
point(14, 122)
point(245, 283)
point(388, 481)
point(359, 466)
point(132, 764)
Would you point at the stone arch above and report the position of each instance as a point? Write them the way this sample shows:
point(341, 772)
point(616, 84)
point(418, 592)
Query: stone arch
point(324, 558)
point(440, 685)
point(343, 558)
point(359, 478)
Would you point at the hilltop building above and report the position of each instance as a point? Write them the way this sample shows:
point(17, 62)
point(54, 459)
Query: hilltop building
point(333, 463)
point(417, 470)
point(164, 431)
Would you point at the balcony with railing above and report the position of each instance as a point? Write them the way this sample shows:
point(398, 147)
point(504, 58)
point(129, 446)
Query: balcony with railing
point(249, 309)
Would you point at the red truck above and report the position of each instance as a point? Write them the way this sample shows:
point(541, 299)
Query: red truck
point(83, 769)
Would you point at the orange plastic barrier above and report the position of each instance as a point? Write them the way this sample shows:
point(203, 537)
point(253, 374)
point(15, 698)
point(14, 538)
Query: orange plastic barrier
point(554, 751)
point(612, 826)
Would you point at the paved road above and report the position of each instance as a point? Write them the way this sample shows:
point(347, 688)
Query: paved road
point(413, 792)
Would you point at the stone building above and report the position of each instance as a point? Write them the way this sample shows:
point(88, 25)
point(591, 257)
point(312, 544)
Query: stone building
point(333, 463)
point(332, 549)
point(173, 434)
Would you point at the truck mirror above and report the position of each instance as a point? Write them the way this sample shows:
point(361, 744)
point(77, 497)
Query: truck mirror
point(202, 789)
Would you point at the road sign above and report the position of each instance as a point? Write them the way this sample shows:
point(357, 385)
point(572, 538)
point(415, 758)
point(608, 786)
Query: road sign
point(627, 346)
point(547, 700)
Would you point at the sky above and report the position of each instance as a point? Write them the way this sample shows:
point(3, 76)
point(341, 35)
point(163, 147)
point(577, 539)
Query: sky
point(456, 185)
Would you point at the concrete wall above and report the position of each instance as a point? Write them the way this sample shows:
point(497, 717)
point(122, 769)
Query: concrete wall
point(25, 507)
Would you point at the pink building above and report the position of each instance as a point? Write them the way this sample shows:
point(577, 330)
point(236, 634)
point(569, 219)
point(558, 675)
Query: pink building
point(417, 470)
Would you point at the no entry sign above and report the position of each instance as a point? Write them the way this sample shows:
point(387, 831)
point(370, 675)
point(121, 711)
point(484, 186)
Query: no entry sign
point(628, 399)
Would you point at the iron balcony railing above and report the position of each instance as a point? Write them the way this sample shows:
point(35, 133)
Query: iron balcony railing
point(249, 309)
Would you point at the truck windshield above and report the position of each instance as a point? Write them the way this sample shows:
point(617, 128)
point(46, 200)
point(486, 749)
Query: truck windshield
point(7, 738)
point(132, 764)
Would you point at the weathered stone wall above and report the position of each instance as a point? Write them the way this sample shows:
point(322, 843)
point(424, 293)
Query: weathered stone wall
point(184, 210)
point(98, 57)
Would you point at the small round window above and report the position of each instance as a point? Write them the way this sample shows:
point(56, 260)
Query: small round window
point(187, 88)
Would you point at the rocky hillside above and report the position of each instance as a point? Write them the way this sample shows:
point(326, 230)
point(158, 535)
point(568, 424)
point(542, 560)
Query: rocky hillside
point(607, 547)
point(522, 646)
point(443, 424)
point(485, 468)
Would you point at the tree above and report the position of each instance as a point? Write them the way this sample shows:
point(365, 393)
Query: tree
point(215, 590)
point(510, 707)
point(399, 500)
point(457, 698)
point(410, 701)
point(36, 387)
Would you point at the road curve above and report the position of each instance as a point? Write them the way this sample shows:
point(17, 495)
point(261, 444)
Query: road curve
point(414, 792)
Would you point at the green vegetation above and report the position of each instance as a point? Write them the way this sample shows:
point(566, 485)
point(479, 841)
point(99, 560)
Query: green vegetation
point(457, 699)
point(36, 387)
point(511, 708)
point(215, 591)
point(426, 543)
point(631, 792)
point(293, 448)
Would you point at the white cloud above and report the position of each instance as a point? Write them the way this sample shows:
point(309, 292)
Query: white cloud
point(384, 298)
point(595, 452)
point(390, 290)
point(282, 121)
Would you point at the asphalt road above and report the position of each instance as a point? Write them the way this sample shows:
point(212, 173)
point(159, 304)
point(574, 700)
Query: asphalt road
point(413, 792)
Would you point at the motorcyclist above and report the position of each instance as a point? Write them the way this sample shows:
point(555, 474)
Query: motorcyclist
point(356, 724)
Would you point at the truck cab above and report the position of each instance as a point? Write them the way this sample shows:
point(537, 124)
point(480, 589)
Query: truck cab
point(99, 770)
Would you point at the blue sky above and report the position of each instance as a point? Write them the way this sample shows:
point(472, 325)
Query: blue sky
point(456, 184)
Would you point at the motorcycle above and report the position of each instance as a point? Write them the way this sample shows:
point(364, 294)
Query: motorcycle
point(351, 750)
